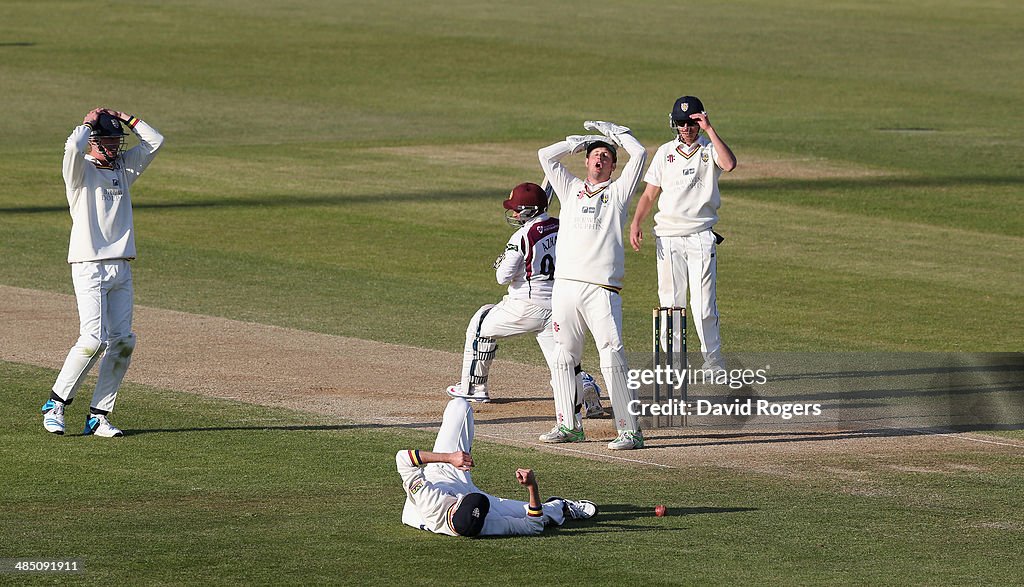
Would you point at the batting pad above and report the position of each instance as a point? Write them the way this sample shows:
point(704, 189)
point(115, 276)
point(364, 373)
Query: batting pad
point(621, 395)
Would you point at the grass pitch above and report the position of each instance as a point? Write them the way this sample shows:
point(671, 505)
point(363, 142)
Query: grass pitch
point(339, 166)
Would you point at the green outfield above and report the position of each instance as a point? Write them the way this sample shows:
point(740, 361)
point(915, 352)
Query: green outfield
point(339, 167)
point(224, 493)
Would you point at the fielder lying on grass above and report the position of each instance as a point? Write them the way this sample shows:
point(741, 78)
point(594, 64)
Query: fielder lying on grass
point(441, 496)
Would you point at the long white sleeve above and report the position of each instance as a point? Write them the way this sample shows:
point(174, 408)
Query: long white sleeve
point(426, 505)
point(593, 217)
point(99, 199)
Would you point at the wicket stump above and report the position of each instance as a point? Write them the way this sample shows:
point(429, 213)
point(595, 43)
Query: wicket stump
point(669, 333)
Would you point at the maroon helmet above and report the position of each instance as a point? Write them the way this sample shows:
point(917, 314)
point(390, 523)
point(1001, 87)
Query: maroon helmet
point(525, 202)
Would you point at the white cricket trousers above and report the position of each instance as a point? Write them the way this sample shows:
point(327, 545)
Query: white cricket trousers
point(105, 297)
point(456, 433)
point(688, 263)
point(509, 317)
point(576, 305)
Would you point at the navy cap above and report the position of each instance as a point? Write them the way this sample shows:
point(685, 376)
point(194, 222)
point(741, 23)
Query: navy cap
point(469, 514)
point(686, 106)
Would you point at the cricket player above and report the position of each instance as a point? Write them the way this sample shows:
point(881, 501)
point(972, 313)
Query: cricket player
point(683, 179)
point(98, 174)
point(589, 274)
point(527, 267)
point(441, 496)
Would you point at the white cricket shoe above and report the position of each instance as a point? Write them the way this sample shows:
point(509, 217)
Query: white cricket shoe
point(53, 417)
point(562, 433)
point(582, 509)
point(477, 393)
point(627, 440)
point(592, 407)
point(99, 425)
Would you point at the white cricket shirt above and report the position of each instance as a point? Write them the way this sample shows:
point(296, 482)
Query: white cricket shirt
point(527, 265)
point(98, 197)
point(592, 217)
point(688, 178)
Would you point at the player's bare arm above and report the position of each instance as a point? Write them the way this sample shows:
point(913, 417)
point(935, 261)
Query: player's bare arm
point(458, 459)
point(527, 478)
point(726, 158)
point(643, 208)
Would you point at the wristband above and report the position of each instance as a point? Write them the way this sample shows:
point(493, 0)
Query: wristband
point(414, 456)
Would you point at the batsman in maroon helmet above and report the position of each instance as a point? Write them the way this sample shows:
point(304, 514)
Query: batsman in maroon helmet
point(527, 267)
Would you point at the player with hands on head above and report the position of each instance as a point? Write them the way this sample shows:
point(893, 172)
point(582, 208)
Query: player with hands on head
point(442, 498)
point(98, 175)
point(591, 266)
point(683, 179)
point(527, 267)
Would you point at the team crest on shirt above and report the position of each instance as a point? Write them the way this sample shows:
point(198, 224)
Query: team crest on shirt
point(416, 486)
point(704, 156)
point(604, 198)
point(117, 182)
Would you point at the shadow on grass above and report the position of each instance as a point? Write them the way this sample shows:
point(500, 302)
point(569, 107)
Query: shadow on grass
point(516, 400)
point(327, 427)
point(894, 394)
point(747, 186)
point(628, 511)
point(613, 518)
point(616, 517)
point(772, 186)
point(286, 428)
point(282, 200)
point(781, 437)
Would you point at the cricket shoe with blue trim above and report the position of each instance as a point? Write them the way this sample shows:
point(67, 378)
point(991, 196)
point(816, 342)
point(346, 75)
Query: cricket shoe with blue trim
point(98, 425)
point(53, 417)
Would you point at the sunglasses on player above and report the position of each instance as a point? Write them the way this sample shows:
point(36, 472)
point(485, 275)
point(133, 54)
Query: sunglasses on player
point(687, 122)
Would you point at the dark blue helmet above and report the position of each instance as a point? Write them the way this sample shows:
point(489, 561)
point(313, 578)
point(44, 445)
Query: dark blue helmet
point(107, 126)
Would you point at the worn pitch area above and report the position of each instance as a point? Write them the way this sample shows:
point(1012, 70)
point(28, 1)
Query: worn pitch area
point(379, 384)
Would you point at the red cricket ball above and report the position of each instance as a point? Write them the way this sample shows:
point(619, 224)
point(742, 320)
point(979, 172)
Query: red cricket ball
point(659, 510)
